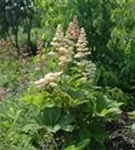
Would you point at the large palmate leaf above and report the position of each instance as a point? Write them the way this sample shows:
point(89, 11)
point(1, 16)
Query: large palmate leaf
point(54, 118)
point(81, 146)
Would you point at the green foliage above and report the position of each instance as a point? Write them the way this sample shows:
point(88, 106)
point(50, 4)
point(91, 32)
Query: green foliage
point(53, 118)
point(75, 105)
point(51, 13)
point(13, 119)
point(82, 145)
point(80, 109)
point(73, 115)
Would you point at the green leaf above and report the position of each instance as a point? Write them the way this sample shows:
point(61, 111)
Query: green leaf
point(51, 115)
point(55, 120)
point(132, 114)
point(68, 128)
point(35, 99)
point(84, 133)
point(81, 146)
point(133, 127)
point(66, 119)
point(98, 132)
point(112, 112)
point(56, 128)
point(71, 147)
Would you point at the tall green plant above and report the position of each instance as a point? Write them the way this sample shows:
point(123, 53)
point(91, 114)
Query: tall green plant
point(67, 100)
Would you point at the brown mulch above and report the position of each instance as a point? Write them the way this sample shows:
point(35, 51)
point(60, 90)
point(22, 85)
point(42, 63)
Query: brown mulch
point(120, 135)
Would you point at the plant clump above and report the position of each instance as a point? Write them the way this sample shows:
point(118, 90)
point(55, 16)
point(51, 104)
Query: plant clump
point(66, 48)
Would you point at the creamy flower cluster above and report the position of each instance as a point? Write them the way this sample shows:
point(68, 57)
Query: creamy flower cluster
point(58, 39)
point(73, 30)
point(89, 70)
point(50, 79)
point(81, 46)
point(87, 67)
point(62, 47)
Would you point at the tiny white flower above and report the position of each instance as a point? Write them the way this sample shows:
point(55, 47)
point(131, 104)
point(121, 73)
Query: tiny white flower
point(52, 53)
point(40, 82)
point(80, 55)
point(53, 84)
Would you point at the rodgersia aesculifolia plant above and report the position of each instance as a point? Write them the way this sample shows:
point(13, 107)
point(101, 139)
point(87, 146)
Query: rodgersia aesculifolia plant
point(67, 48)
point(66, 98)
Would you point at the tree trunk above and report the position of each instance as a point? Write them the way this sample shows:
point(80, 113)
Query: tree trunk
point(16, 40)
